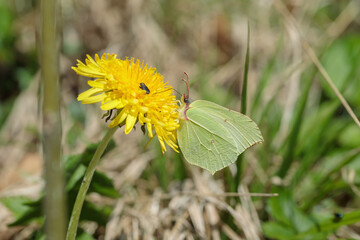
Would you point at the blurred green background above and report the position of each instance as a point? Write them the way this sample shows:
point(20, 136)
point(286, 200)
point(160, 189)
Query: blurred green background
point(311, 153)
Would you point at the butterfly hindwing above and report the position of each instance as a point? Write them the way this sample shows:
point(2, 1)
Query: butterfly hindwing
point(203, 141)
point(213, 136)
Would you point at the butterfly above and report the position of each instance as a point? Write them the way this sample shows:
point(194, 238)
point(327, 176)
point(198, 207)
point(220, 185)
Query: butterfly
point(212, 136)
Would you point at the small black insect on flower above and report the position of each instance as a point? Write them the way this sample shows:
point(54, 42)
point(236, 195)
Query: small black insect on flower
point(145, 88)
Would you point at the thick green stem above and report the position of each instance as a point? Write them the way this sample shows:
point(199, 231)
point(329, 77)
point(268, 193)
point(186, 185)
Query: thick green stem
point(75, 215)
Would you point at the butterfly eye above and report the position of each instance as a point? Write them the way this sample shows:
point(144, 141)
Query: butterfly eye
point(145, 88)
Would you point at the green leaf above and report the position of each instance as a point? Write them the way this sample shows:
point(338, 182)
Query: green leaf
point(31, 215)
point(331, 224)
point(17, 205)
point(278, 208)
point(309, 135)
point(82, 235)
point(285, 211)
point(73, 134)
point(38, 235)
point(100, 183)
point(73, 161)
point(103, 185)
point(24, 210)
point(342, 61)
point(277, 231)
point(91, 212)
point(350, 136)
point(212, 137)
point(75, 178)
point(75, 167)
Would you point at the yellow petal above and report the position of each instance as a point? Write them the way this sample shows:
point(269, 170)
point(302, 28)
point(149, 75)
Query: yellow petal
point(130, 122)
point(162, 145)
point(119, 118)
point(110, 105)
point(94, 99)
point(96, 84)
point(88, 93)
point(141, 118)
point(149, 128)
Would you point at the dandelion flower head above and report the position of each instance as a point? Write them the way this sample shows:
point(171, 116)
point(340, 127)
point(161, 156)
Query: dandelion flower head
point(136, 91)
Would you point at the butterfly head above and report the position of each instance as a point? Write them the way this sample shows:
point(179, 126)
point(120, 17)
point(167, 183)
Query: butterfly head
point(185, 97)
point(185, 101)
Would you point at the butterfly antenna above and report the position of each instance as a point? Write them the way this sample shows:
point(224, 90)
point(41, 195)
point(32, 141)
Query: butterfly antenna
point(176, 91)
point(187, 82)
point(164, 90)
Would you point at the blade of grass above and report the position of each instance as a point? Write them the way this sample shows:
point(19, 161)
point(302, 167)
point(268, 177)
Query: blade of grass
point(239, 161)
point(246, 71)
point(330, 224)
point(229, 179)
point(350, 156)
point(265, 77)
point(324, 181)
point(294, 133)
point(51, 141)
point(314, 146)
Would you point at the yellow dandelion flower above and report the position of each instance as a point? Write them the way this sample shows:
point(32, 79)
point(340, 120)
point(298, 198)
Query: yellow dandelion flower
point(136, 91)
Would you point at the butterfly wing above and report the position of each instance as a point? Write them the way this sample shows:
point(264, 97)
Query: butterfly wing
point(244, 131)
point(206, 143)
point(214, 136)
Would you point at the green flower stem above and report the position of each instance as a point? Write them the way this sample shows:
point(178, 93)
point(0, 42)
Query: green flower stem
point(75, 215)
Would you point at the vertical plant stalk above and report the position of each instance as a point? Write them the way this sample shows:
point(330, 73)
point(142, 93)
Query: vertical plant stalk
point(75, 215)
point(55, 225)
point(246, 71)
point(243, 105)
